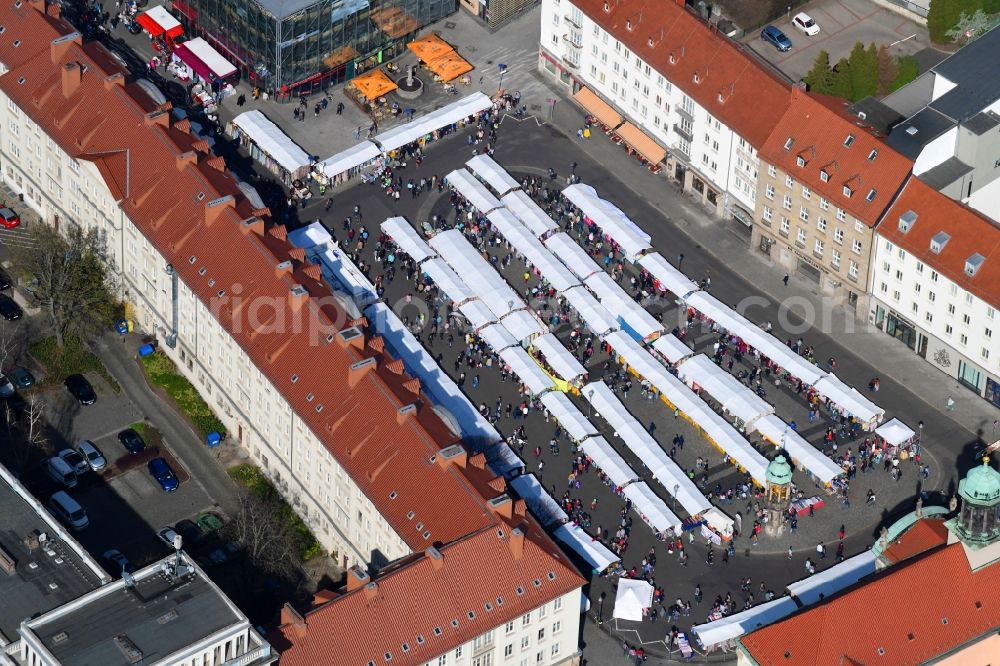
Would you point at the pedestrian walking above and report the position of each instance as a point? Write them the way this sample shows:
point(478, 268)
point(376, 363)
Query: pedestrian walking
point(951, 404)
point(680, 260)
point(241, 100)
point(785, 279)
point(789, 552)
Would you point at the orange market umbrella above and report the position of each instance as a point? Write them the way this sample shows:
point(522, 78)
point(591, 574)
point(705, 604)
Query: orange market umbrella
point(373, 84)
point(449, 66)
point(429, 47)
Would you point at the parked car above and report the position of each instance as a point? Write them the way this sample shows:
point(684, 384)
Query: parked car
point(131, 440)
point(160, 470)
point(92, 455)
point(209, 522)
point(80, 388)
point(10, 310)
point(61, 471)
point(75, 460)
point(776, 38)
point(6, 386)
point(22, 378)
point(224, 553)
point(167, 534)
point(9, 219)
point(804, 22)
point(117, 562)
point(5, 281)
point(69, 510)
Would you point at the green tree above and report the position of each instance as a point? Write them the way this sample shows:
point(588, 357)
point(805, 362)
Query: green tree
point(907, 69)
point(73, 279)
point(863, 72)
point(970, 26)
point(820, 77)
point(887, 70)
point(942, 15)
point(841, 83)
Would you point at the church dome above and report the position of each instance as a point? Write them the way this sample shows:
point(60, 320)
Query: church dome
point(980, 486)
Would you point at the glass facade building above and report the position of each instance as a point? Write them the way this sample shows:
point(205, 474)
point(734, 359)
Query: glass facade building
point(294, 47)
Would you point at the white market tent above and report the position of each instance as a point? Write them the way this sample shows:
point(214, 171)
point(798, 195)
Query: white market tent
point(608, 460)
point(523, 325)
point(672, 348)
point(503, 220)
point(801, 451)
point(653, 510)
point(594, 315)
point(400, 135)
point(477, 314)
point(164, 19)
point(492, 173)
point(565, 365)
point(355, 156)
point(733, 626)
point(821, 585)
point(570, 253)
point(633, 598)
point(848, 399)
point(568, 416)
point(408, 240)
point(529, 213)
point(719, 521)
point(497, 337)
point(338, 269)
point(553, 270)
point(735, 398)
point(527, 371)
point(895, 432)
point(446, 280)
point(476, 272)
point(670, 278)
point(613, 222)
point(502, 459)
point(541, 505)
point(214, 60)
point(271, 140)
point(309, 236)
point(420, 364)
point(607, 405)
point(617, 301)
point(593, 552)
point(472, 190)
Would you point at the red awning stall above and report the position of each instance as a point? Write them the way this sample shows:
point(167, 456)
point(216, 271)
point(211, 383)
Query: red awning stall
point(158, 21)
point(204, 60)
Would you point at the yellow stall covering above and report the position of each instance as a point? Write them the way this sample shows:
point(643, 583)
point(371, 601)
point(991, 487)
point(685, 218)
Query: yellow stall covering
point(449, 66)
point(373, 84)
point(429, 47)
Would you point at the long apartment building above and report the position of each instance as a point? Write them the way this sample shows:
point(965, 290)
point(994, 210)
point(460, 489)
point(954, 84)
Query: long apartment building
point(690, 89)
point(337, 424)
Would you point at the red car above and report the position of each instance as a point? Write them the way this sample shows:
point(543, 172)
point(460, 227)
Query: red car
point(9, 219)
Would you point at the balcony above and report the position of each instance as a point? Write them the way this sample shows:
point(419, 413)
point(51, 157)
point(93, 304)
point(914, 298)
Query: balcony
point(575, 43)
point(569, 19)
point(259, 657)
point(685, 132)
point(570, 63)
point(685, 113)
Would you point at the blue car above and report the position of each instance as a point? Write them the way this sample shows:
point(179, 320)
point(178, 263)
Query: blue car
point(160, 470)
point(776, 38)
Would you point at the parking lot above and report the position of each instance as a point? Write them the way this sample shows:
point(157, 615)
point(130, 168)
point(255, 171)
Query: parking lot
point(842, 23)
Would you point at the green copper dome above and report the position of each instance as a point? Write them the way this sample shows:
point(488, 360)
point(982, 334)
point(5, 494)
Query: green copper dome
point(980, 486)
point(779, 472)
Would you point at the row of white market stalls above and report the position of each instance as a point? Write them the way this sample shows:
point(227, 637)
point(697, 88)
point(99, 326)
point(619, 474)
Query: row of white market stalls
point(271, 147)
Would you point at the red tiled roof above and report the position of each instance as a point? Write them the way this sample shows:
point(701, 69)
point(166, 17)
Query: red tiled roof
point(428, 591)
point(970, 233)
point(922, 536)
point(914, 612)
point(819, 131)
point(731, 84)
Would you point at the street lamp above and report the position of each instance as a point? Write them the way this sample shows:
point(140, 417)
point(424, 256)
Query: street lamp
point(503, 70)
point(590, 403)
point(677, 487)
point(600, 608)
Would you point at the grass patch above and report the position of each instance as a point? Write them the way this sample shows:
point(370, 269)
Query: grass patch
point(140, 427)
point(253, 479)
point(70, 359)
point(163, 373)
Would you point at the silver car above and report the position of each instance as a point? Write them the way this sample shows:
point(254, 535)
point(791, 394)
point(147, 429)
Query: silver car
point(95, 459)
point(74, 460)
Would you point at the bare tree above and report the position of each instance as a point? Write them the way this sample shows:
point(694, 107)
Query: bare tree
point(263, 530)
point(33, 421)
point(12, 340)
point(25, 428)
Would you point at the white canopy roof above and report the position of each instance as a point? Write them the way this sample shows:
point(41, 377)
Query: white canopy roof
point(634, 596)
point(565, 365)
point(529, 213)
point(653, 510)
point(569, 417)
point(523, 325)
point(539, 502)
point(607, 459)
point(553, 270)
point(821, 585)
point(802, 452)
point(407, 238)
point(309, 236)
point(355, 156)
point(734, 397)
point(400, 135)
point(719, 521)
point(612, 221)
point(594, 553)
point(895, 432)
point(212, 58)
point(672, 349)
point(477, 313)
point(570, 253)
point(594, 315)
point(270, 139)
point(476, 272)
point(497, 337)
point(527, 371)
point(503, 220)
point(607, 405)
point(736, 625)
point(495, 175)
point(163, 18)
point(472, 190)
point(629, 313)
point(446, 279)
point(670, 278)
point(848, 399)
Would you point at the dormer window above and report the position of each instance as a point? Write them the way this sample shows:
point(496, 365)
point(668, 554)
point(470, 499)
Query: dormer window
point(628, 25)
point(871, 195)
point(848, 141)
point(848, 191)
point(907, 220)
point(872, 155)
point(973, 263)
point(824, 175)
point(649, 42)
point(673, 59)
point(697, 77)
point(607, 8)
point(800, 161)
point(295, 378)
point(788, 143)
point(938, 242)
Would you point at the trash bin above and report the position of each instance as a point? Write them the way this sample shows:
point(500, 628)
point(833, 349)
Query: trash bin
point(214, 439)
point(146, 350)
point(121, 327)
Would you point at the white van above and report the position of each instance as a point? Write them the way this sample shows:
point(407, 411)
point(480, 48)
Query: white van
point(69, 510)
point(61, 471)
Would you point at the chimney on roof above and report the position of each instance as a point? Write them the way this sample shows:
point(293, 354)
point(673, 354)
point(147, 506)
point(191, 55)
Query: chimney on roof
point(436, 558)
point(351, 337)
point(297, 296)
point(112, 80)
point(357, 578)
point(359, 370)
point(502, 505)
point(161, 118)
point(517, 542)
point(72, 75)
point(216, 207)
point(371, 590)
point(293, 618)
point(184, 159)
point(452, 455)
point(252, 225)
point(405, 412)
point(61, 46)
point(282, 268)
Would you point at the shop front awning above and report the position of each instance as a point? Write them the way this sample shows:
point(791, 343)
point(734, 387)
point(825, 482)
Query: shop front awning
point(597, 107)
point(429, 47)
point(204, 60)
point(373, 84)
point(158, 21)
point(449, 66)
point(640, 142)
